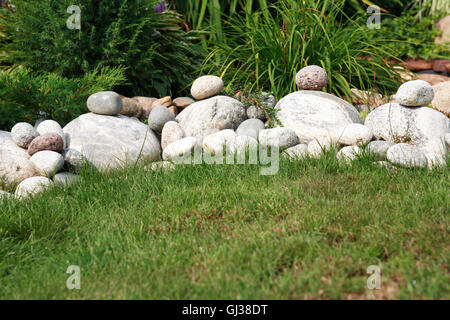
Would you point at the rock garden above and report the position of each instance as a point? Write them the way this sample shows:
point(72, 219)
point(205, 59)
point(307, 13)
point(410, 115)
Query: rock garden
point(217, 150)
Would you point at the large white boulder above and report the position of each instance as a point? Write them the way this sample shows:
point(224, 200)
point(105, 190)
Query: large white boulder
point(420, 126)
point(15, 164)
point(313, 114)
point(209, 116)
point(112, 141)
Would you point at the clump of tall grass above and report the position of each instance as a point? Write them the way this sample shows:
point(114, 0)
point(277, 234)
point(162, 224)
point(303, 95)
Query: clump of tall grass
point(266, 49)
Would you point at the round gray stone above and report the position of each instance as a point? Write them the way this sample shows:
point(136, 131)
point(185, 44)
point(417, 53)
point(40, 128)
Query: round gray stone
point(251, 128)
point(23, 133)
point(105, 103)
point(406, 155)
point(158, 117)
point(415, 93)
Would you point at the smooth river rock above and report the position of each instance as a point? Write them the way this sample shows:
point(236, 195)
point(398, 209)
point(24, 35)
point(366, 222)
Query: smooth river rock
point(415, 93)
point(378, 149)
point(406, 155)
point(209, 116)
point(313, 114)
point(105, 103)
point(112, 142)
point(46, 141)
point(206, 87)
point(47, 163)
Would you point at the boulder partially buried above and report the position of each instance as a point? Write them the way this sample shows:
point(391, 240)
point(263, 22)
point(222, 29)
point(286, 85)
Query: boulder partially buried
point(313, 114)
point(112, 142)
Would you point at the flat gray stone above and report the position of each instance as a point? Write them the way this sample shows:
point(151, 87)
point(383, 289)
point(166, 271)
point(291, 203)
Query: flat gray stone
point(105, 103)
point(415, 93)
point(158, 117)
point(112, 142)
point(209, 116)
point(378, 149)
point(406, 155)
point(66, 179)
point(251, 128)
point(314, 114)
point(280, 137)
point(23, 133)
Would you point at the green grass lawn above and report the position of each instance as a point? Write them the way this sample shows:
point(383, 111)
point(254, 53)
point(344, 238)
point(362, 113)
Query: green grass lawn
point(226, 232)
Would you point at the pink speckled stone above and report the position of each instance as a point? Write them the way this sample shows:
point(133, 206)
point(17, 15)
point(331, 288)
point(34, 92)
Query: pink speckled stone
point(311, 78)
point(47, 141)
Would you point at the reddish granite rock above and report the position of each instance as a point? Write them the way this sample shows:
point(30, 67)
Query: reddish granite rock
point(131, 108)
point(174, 110)
point(418, 64)
point(165, 102)
point(146, 105)
point(311, 78)
point(183, 102)
point(47, 141)
point(439, 65)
